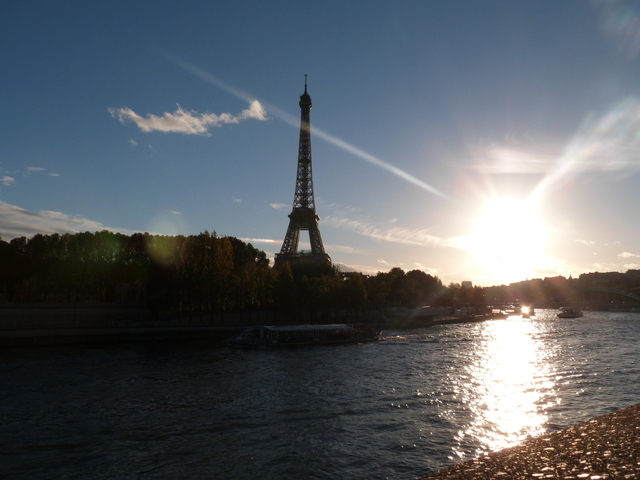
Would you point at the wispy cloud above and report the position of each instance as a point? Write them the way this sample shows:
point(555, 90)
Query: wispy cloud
point(584, 242)
point(260, 240)
point(175, 212)
point(366, 269)
point(431, 271)
point(187, 122)
point(40, 169)
point(605, 267)
point(7, 181)
point(18, 222)
point(393, 234)
point(237, 200)
point(345, 249)
point(496, 159)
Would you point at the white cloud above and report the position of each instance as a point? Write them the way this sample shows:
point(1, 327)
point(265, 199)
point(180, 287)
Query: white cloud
point(585, 242)
point(175, 212)
point(35, 169)
point(631, 266)
point(237, 200)
point(187, 122)
point(54, 174)
point(18, 222)
point(133, 142)
point(628, 255)
point(278, 206)
point(255, 110)
point(7, 180)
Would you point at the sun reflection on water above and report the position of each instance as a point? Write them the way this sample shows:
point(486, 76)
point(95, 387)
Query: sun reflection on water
point(507, 389)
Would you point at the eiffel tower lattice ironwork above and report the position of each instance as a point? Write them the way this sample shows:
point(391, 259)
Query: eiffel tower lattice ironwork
point(303, 216)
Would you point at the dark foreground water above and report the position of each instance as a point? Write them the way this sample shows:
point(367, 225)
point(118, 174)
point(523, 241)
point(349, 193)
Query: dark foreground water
point(414, 403)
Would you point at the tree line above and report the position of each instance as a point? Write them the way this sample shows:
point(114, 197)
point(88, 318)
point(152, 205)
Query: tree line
point(206, 273)
point(197, 274)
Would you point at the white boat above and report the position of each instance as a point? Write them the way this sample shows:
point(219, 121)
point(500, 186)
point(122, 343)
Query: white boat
point(566, 312)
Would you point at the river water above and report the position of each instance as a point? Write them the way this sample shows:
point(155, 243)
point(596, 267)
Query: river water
point(418, 401)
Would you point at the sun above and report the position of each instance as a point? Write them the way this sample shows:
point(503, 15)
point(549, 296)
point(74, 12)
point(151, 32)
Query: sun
point(508, 239)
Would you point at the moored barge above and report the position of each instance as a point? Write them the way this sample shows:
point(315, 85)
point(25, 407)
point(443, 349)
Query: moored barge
point(294, 335)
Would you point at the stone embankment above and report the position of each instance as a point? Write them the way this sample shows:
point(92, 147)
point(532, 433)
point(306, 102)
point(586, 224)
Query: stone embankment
point(606, 447)
point(27, 325)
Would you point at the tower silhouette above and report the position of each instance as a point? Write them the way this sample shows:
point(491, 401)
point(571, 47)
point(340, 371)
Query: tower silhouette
point(303, 216)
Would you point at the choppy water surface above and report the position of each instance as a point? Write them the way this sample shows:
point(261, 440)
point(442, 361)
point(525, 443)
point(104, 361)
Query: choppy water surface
point(414, 403)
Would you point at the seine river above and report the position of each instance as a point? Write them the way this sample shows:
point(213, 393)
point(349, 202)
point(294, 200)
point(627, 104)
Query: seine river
point(412, 404)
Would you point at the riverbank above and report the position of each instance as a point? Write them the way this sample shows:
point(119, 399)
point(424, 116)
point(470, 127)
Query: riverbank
point(76, 336)
point(603, 447)
point(65, 324)
point(62, 324)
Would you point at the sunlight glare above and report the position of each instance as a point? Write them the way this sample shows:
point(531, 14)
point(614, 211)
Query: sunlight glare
point(509, 387)
point(508, 239)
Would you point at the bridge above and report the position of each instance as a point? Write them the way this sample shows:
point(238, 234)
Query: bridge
point(609, 295)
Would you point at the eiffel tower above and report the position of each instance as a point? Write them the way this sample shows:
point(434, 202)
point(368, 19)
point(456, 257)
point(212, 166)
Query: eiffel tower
point(303, 216)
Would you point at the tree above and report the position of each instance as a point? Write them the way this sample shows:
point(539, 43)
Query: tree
point(356, 293)
point(286, 291)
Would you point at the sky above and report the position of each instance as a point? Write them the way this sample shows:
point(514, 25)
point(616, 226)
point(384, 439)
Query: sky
point(477, 141)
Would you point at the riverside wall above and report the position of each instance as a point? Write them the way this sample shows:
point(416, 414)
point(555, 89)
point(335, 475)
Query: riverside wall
point(56, 324)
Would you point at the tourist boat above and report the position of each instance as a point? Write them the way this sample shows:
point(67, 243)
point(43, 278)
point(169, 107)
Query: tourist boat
point(294, 335)
point(569, 313)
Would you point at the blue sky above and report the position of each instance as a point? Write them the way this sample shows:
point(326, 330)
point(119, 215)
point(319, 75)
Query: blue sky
point(484, 141)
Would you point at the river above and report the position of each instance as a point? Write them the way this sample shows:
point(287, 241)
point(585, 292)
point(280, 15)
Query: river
point(416, 402)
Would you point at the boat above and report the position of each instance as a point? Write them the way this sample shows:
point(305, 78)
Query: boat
point(297, 335)
point(566, 312)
